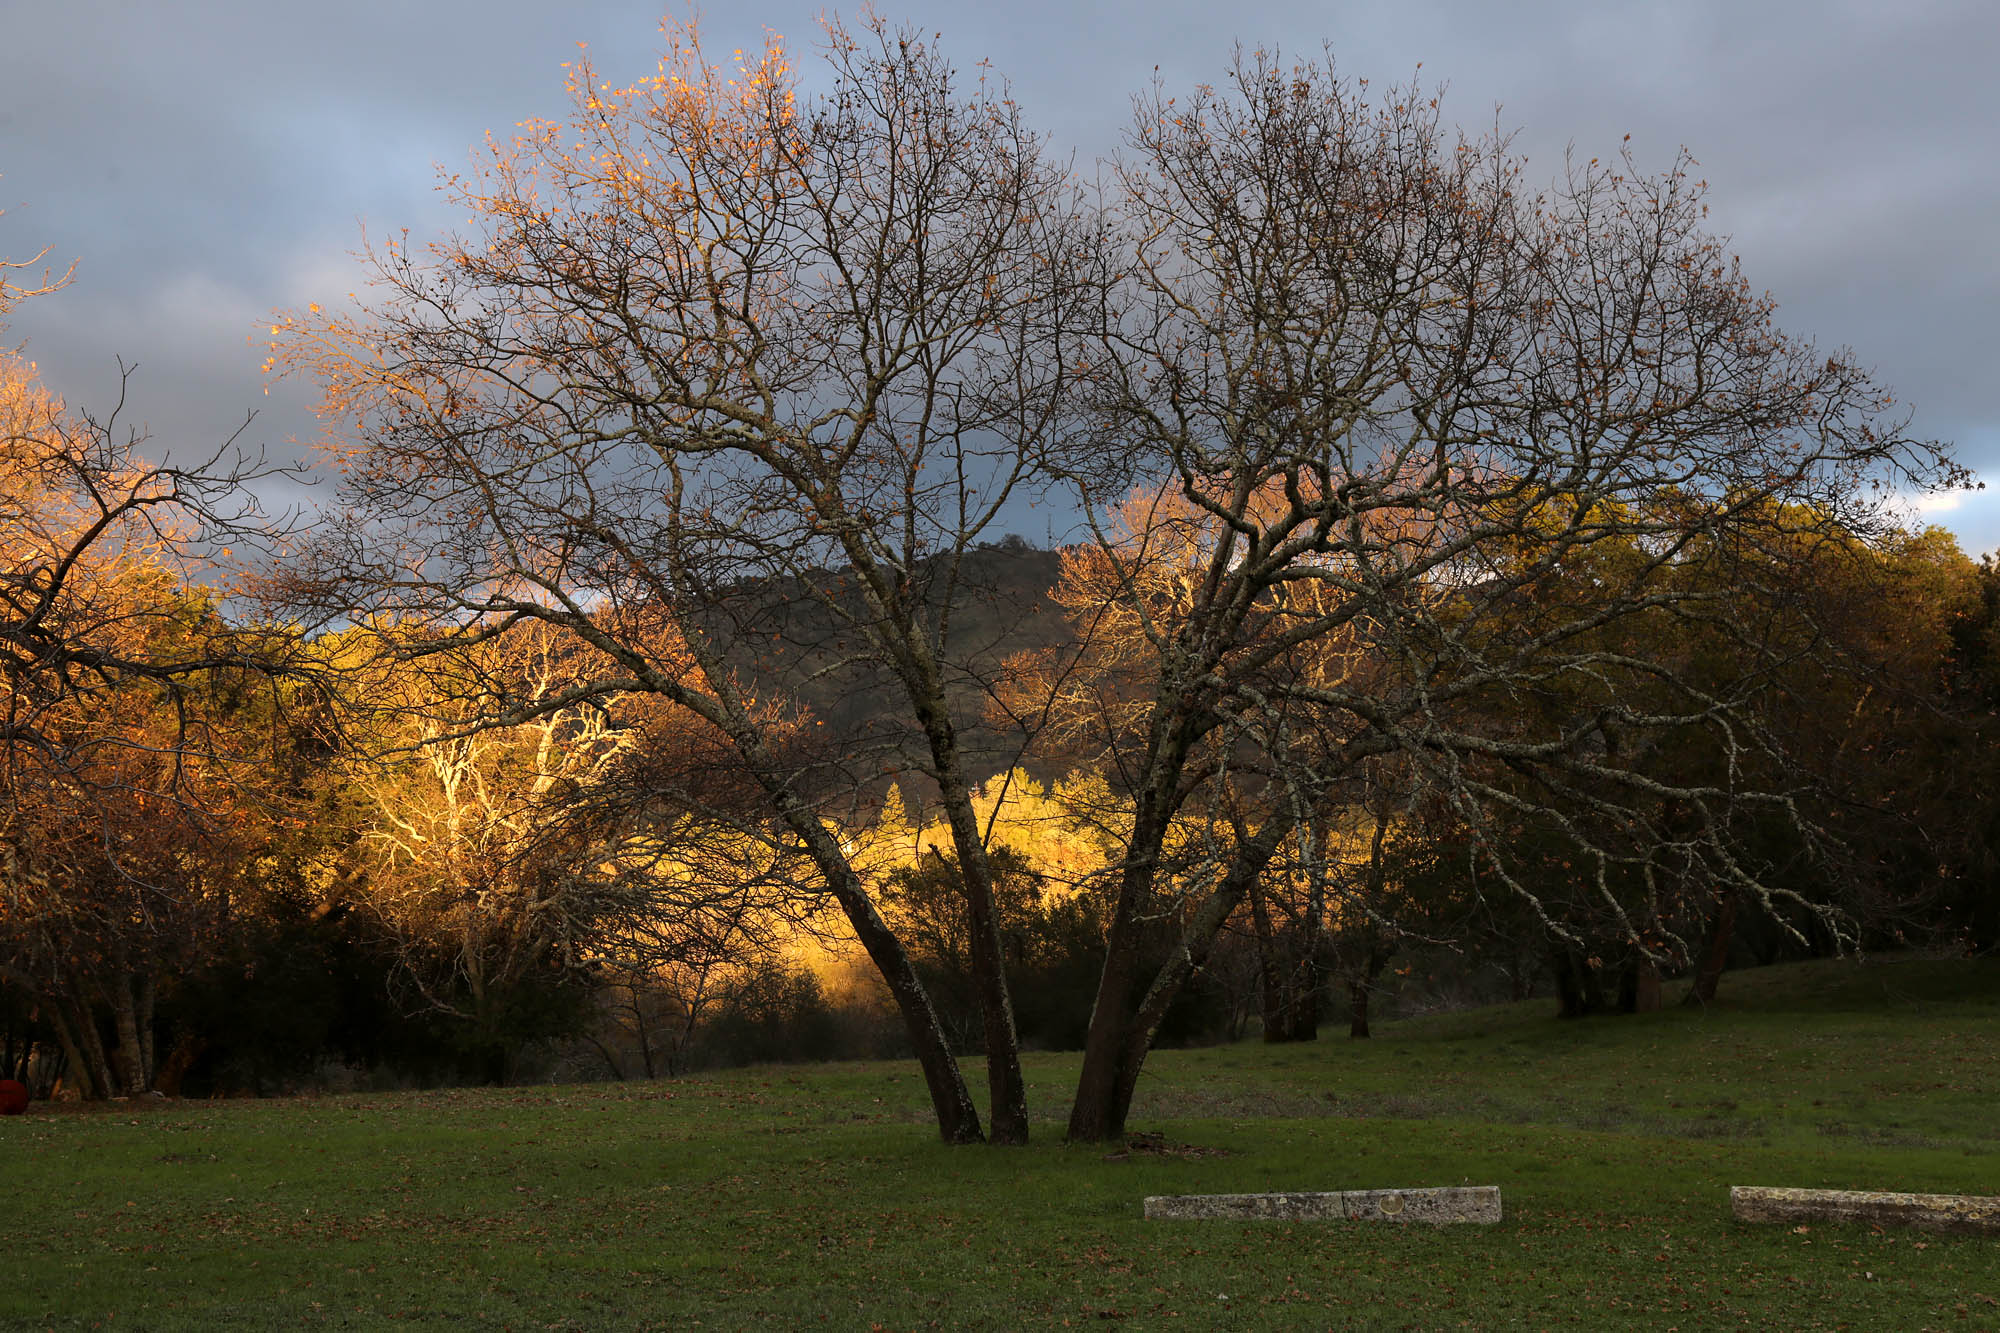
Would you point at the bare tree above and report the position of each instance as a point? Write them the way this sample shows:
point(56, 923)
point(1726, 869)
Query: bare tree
point(764, 369)
point(1387, 406)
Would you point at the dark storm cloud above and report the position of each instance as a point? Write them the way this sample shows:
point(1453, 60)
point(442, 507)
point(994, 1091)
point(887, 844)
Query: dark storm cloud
point(209, 162)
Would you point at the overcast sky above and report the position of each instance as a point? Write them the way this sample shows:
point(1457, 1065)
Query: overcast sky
point(210, 162)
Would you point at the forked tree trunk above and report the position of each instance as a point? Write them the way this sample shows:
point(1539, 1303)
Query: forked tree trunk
point(957, 1117)
point(1095, 1115)
point(1112, 1060)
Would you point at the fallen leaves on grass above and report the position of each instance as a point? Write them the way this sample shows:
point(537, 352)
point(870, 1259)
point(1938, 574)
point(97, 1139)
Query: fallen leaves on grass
point(1156, 1145)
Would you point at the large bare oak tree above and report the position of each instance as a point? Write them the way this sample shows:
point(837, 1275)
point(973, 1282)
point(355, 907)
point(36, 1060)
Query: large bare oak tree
point(764, 366)
point(1397, 470)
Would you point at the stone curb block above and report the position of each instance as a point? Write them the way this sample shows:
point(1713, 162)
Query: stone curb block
point(1467, 1203)
point(1968, 1213)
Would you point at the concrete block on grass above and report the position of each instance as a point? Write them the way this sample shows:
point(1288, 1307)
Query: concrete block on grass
point(1967, 1213)
point(1469, 1203)
point(1464, 1203)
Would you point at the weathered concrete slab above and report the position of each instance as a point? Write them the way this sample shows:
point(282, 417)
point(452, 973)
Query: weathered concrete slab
point(1469, 1203)
point(1314, 1207)
point(1464, 1203)
point(1969, 1213)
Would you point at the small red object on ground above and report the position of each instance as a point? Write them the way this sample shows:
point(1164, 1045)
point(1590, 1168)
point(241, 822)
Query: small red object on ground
point(13, 1097)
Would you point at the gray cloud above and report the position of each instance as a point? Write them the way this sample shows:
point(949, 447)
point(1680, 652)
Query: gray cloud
point(211, 161)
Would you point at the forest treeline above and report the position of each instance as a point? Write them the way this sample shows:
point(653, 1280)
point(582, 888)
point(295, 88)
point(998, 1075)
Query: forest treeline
point(1469, 591)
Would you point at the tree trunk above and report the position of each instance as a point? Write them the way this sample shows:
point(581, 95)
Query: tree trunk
point(642, 1029)
point(1579, 993)
point(1357, 1007)
point(132, 1071)
point(910, 650)
point(1361, 988)
point(149, 994)
point(1304, 998)
point(1270, 988)
point(957, 1117)
point(73, 1055)
point(90, 1044)
point(1092, 1118)
point(1716, 956)
point(610, 1058)
point(1008, 1095)
point(1310, 975)
point(1288, 985)
point(1639, 986)
point(1110, 1076)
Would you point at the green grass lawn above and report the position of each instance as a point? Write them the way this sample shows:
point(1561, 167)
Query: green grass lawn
point(819, 1195)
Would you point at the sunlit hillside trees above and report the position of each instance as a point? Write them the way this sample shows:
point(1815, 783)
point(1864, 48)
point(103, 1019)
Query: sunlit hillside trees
point(137, 729)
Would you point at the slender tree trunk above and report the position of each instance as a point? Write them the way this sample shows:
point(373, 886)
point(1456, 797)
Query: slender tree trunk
point(641, 1029)
point(73, 1054)
point(1270, 988)
point(83, 1023)
point(611, 1061)
point(1311, 974)
point(132, 1071)
point(957, 1117)
point(1358, 991)
point(1008, 1117)
point(1361, 989)
point(149, 994)
point(1716, 956)
point(677, 1052)
point(910, 650)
